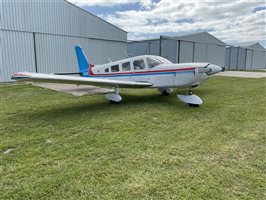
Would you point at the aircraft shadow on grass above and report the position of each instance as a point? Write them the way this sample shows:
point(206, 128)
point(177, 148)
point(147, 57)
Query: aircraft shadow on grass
point(92, 108)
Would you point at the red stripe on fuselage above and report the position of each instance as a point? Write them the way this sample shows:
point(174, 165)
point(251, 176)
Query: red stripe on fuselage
point(20, 75)
point(140, 72)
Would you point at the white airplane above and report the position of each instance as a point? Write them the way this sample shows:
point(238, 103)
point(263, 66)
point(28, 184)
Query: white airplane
point(144, 71)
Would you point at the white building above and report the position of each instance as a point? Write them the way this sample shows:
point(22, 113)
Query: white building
point(39, 36)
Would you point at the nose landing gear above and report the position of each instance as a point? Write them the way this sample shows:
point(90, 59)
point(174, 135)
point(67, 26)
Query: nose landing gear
point(165, 91)
point(191, 99)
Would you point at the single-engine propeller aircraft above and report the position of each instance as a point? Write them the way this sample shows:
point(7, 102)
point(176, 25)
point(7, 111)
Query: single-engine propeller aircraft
point(146, 71)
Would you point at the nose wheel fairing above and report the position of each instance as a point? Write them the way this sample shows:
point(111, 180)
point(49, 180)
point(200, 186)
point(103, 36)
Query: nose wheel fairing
point(191, 99)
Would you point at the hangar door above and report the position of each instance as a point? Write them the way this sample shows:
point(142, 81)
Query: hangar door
point(241, 61)
point(200, 52)
point(17, 53)
point(143, 48)
point(136, 49)
point(259, 59)
point(153, 48)
point(186, 52)
point(249, 59)
point(169, 49)
point(216, 54)
point(233, 57)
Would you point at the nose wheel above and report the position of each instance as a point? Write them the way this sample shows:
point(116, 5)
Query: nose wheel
point(191, 99)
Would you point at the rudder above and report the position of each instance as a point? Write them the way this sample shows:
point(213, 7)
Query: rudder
point(82, 60)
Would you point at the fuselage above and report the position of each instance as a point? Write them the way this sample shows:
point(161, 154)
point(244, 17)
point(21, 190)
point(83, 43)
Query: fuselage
point(156, 70)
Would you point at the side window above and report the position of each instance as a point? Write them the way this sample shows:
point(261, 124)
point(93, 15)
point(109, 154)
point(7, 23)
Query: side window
point(115, 68)
point(126, 66)
point(106, 70)
point(152, 62)
point(139, 64)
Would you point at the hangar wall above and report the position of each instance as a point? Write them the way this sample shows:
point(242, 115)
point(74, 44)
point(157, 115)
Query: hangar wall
point(39, 36)
point(246, 58)
point(200, 47)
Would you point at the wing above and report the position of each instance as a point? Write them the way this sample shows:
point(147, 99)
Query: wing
point(51, 78)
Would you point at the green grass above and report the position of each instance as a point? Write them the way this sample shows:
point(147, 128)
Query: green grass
point(147, 147)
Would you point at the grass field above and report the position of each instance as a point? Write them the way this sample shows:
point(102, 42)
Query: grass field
point(147, 147)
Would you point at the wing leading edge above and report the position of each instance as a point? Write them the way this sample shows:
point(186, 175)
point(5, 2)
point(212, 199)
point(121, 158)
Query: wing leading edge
point(51, 78)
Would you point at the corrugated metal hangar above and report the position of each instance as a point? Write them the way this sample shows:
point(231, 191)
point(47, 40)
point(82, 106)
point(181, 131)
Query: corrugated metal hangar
point(199, 47)
point(39, 36)
point(246, 58)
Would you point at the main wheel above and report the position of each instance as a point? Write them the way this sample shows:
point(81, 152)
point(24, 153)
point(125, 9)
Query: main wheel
point(193, 105)
point(165, 93)
point(114, 102)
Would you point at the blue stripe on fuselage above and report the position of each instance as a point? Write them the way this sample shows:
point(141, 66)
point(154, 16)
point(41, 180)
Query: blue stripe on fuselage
point(19, 77)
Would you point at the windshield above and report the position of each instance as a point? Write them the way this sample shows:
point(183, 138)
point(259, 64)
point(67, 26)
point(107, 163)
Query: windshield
point(163, 60)
point(152, 62)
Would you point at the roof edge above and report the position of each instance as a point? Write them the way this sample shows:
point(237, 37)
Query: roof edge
point(192, 34)
point(94, 15)
point(177, 38)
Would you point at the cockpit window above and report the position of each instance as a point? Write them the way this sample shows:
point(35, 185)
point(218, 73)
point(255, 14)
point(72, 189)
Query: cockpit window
point(115, 68)
point(106, 70)
point(152, 62)
point(126, 66)
point(139, 64)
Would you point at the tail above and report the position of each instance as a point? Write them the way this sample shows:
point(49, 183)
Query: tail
point(82, 61)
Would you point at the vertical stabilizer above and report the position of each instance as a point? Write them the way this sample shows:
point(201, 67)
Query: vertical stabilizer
point(82, 60)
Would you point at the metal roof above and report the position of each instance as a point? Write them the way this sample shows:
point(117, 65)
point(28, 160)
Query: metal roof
point(202, 37)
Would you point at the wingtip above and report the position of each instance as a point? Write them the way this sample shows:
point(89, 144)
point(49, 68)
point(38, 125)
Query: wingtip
point(19, 75)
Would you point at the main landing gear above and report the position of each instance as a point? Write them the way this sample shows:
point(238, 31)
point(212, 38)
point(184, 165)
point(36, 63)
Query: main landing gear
point(114, 97)
point(165, 91)
point(191, 99)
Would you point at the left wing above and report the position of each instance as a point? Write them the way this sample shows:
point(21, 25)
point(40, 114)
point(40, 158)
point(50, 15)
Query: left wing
point(51, 78)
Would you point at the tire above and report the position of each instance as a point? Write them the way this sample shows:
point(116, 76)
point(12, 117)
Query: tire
point(193, 105)
point(165, 93)
point(114, 102)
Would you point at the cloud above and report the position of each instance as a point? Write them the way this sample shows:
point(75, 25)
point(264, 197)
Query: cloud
point(107, 3)
point(233, 22)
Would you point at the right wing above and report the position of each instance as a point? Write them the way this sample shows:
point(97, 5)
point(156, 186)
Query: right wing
point(51, 78)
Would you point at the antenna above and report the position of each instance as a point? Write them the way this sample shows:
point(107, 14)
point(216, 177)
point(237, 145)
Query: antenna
point(125, 53)
point(108, 60)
